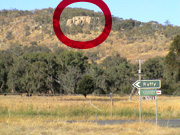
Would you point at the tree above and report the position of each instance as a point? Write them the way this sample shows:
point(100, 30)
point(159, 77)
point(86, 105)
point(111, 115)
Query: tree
point(114, 60)
point(33, 43)
point(172, 60)
point(15, 76)
point(2, 77)
point(70, 79)
point(98, 73)
point(117, 74)
point(86, 85)
point(6, 62)
point(167, 23)
point(73, 59)
point(27, 30)
point(74, 65)
point(172, 64)
point(153, 68)
point(34, 72)
point(9, 35)
point(116, 77)
point(16, 49)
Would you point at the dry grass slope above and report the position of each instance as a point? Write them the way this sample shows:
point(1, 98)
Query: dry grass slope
point(145, 49)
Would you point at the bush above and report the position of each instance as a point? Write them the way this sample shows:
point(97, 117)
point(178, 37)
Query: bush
point(26, 29)
point(87, 32)
point(86, 85)
point(9, 35)
point(33, 43)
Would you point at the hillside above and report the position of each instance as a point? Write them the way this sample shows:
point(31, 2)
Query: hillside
point(130, 38)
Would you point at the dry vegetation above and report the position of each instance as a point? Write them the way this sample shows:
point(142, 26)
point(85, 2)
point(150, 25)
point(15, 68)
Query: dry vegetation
point(38, 127)
point(79, 108)
point(45, 115)
point(142, 47)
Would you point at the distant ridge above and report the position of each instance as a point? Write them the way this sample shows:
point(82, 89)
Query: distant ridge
point(130, 38)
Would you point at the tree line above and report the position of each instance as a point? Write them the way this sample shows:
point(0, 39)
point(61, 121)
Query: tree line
point(37, 69)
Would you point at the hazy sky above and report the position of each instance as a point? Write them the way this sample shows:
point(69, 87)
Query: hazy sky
point(141, 10)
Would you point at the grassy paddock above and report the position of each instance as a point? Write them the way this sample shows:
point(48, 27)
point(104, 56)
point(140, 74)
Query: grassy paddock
point(78, 108)
point(39, 127)
point(44, 115)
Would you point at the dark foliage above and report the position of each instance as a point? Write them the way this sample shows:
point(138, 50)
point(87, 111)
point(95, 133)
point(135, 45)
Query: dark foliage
point(86, 85)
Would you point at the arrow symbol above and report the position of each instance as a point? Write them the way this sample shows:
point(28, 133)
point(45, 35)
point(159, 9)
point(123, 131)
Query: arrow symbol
point(147, 84)
point(136, 84)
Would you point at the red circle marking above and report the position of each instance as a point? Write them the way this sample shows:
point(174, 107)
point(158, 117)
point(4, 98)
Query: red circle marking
point(78, 44)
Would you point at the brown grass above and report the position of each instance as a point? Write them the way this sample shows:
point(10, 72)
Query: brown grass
point(79, 108)
point(39, 127)
point(44, 115)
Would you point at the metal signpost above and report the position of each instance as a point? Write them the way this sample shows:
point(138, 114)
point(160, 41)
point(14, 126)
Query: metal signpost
point(139, 106)
point(147, 88)
point(111, 103)
point(139, 72)
point(156, 110)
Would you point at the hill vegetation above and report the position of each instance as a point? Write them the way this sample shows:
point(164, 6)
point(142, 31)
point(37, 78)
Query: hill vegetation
point(130, 38)
point(33, 60)
point(39, 70)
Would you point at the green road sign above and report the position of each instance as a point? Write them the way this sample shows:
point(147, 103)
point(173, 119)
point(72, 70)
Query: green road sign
point(148, 92)
point(147, 84)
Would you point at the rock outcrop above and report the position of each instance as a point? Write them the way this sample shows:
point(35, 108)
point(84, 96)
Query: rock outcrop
point(80, 20)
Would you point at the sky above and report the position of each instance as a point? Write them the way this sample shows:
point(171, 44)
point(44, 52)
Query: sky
point(141, 10)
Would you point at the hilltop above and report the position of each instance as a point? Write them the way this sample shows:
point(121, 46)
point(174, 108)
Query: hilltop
point(130, 38)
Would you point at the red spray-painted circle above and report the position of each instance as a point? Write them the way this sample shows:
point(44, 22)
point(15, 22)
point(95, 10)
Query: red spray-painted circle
point(78, 44)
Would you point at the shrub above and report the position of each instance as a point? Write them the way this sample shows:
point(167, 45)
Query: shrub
point(86, 85)
point(9, 35)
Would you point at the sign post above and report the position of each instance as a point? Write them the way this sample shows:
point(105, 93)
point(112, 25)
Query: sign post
point(156, 110)
point(139, 105)
point(139, 72)
point(111, 103)
point(147, 88)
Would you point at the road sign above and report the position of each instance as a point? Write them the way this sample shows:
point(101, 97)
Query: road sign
point(148, 92)
point(149, 97)
point(147, 84)
point(158, 92)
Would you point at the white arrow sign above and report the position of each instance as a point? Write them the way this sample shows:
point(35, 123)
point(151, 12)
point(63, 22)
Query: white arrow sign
point(136, 84)
point(147, 84)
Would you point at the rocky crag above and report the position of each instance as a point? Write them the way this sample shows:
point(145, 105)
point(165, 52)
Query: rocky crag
point(80, 20)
